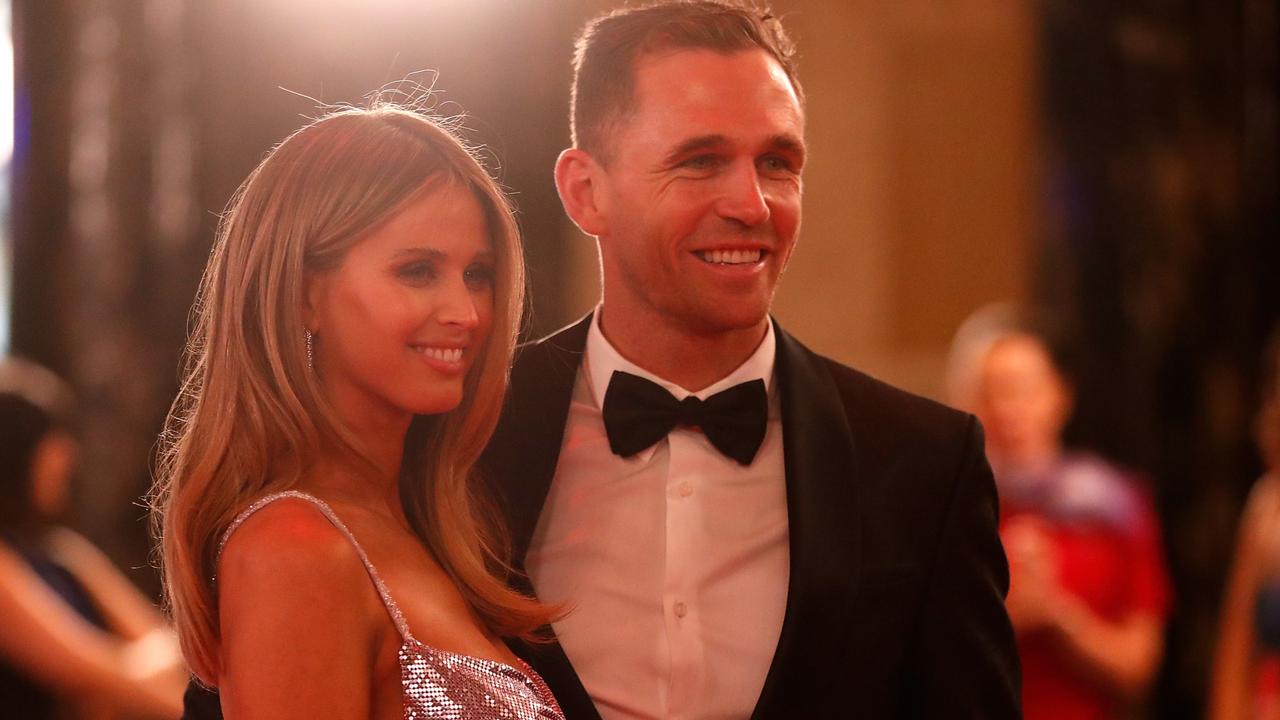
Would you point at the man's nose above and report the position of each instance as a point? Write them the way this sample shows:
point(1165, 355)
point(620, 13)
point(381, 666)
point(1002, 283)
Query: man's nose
point(743, 199)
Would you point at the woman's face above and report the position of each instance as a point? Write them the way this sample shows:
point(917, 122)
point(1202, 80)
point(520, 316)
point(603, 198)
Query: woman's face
point(398, 323)
point(1022, 400)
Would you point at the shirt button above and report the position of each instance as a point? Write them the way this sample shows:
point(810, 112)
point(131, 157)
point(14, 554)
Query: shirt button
point(680, 609)
point(685, 489)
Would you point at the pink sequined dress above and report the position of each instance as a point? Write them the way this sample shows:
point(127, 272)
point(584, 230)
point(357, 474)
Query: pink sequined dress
point(438, 683)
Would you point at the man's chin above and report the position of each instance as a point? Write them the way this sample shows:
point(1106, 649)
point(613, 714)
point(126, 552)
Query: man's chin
point(725, 320)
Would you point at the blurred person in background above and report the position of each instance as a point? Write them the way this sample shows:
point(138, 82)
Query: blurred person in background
point(1246, 671)
point(76, 638)
point(1088, 591)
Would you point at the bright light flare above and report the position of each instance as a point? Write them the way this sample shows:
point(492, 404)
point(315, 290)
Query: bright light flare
point(6, 155)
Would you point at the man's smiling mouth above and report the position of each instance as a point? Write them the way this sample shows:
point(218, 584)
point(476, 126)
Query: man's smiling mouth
point(730, 257)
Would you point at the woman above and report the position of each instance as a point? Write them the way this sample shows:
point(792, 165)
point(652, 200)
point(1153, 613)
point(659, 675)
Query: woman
point(353, 333)
point(74, 633)
point(1246, 671)
point(1088, 591)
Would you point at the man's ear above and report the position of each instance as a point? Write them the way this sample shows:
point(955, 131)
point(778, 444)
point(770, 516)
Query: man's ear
point(580, 180)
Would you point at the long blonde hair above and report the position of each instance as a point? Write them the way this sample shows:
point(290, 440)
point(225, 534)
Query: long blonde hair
point(250, 414)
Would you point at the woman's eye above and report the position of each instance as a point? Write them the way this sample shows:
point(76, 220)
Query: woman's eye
point(422, 271)
point(479, 276)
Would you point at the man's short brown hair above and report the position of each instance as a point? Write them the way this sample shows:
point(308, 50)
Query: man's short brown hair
point(608, 47)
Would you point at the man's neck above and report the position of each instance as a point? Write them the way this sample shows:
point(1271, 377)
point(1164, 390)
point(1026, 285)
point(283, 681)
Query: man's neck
point(689, 359)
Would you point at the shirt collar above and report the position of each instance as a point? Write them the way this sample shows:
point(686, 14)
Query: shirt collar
point(602, 359)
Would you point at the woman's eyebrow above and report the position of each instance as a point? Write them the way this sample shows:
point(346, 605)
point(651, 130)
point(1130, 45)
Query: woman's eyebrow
point(420, 252)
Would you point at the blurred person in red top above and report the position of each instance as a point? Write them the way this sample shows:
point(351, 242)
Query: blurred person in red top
point(1088, 589)
point(1246, 669)
point(76, 638)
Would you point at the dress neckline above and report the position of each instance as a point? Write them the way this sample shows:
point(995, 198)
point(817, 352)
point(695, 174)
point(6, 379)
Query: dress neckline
point(523, 669)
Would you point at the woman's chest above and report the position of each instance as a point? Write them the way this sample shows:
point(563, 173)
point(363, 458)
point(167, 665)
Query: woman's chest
point(429, 605)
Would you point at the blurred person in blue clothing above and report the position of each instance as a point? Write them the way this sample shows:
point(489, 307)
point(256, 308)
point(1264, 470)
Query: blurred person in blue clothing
point(76, 638)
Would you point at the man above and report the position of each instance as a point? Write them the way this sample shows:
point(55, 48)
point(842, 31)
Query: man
point(804, 541)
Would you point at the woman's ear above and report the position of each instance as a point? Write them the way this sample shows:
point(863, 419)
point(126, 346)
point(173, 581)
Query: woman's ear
point(581, 183)
point(1064, 401)
point(314, 291)
point(1067, 397)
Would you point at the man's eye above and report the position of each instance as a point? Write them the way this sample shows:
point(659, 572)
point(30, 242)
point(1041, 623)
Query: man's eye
point(775, 163)
point(701, 162)
point(479, 276)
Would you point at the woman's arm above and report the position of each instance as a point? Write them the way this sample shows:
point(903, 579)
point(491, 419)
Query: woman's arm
point(43, 636)
point(298, 635)
point(1233, 656)
point(128, 612)
point(1124, 654)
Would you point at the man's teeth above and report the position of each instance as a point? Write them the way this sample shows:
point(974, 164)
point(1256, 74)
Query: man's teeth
point(731, 257)
point(449, 355)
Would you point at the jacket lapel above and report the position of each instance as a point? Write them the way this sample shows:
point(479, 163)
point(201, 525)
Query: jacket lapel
point(520, 460)
point(520, 463)
point(822, 510)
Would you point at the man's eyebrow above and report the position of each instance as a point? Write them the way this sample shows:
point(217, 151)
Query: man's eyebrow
point(787, 143)
point(694, 144)
point(782, 142)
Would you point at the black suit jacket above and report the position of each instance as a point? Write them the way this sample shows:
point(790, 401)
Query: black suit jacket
point(895, 607)
point(896, 599)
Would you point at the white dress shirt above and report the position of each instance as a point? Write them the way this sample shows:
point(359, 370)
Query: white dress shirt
point(674, 560)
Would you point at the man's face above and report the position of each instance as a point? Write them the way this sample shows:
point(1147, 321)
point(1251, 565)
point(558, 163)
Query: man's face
point(701, 198)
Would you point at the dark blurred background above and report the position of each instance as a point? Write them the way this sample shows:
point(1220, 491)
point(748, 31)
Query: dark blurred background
point(1111, 160)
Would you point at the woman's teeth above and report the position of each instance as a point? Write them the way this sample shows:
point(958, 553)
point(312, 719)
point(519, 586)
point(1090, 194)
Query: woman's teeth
point(449, 355)
point(731, 257)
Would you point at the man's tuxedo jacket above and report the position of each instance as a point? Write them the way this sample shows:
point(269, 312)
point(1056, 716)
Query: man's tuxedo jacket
point(896, 599)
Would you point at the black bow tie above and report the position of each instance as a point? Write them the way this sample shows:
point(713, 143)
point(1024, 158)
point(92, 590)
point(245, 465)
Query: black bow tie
point(639, 413)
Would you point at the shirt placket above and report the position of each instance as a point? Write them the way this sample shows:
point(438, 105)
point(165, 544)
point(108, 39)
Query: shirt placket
point(680, 607)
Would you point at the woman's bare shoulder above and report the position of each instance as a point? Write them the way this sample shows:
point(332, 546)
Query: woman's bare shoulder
point(299, 618)
point(289, 553)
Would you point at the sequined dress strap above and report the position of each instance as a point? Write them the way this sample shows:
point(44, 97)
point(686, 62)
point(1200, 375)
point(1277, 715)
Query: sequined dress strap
point(392, 609)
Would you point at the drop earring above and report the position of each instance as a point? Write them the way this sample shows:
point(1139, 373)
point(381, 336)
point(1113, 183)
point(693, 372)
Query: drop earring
point(311, 348)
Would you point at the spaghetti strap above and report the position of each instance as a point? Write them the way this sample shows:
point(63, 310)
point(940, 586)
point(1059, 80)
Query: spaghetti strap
point(393, 609)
